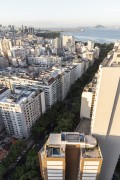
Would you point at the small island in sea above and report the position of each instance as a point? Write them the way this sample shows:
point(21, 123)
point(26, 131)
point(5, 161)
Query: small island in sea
point(99, 26)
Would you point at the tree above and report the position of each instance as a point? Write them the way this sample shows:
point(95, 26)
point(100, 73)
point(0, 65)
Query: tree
point(32, 160)
point(30, 175)
point(18, 172)
point(65, 122)
point(14, 152)
point(2, 170)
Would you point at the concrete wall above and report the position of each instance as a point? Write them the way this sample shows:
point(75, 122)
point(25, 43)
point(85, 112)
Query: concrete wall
point(86, 104)
point(106, 118)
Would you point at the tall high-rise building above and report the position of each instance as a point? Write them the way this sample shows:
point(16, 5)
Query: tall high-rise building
point(21, 109)
point(31, 30)
point(4, 92)
point(5, 46)
point(90, 45)
point(25, 29)
point(68, 42)
point(106, 112)
point(70, 156)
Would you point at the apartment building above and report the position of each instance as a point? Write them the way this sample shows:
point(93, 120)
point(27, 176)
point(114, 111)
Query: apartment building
point(90, 45)
point(21, 109)
point(45, 81)
point(68, 156)
point(87, 99)
point(106, 112)
point(80, 66)
point(4, 62)
point(68, 42)
point(57, 42)
point(18, 52)
point(73, 74)
point(5, 46)
point(65, 83)
point(89, 52)
point(86, 102)
point(45, 60)
point(50, 88)
point(4, 92)
point(55, 82)
point(19, 62)
point(68, 77)
point(31, 30)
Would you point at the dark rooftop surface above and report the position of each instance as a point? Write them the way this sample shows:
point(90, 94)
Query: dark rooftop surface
point(3, 90)
point(84, 126)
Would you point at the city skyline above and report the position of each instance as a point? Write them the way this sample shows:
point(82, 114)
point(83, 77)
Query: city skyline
point(66, 13)
point(59, 89)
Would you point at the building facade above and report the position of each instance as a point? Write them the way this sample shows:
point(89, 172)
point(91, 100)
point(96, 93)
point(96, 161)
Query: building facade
point(4, 92)
point(5, 46)
point(21, 109)
point(69, 156)
point(106, 112)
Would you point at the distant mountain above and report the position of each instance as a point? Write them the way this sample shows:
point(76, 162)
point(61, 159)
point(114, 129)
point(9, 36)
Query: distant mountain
point(99, 26)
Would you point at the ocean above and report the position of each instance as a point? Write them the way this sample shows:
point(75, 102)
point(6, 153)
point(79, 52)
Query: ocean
point(100, 35)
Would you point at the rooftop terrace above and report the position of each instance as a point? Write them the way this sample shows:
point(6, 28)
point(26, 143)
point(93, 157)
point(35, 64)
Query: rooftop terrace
point(19, 95)
point(91, 153)
point(57, 144)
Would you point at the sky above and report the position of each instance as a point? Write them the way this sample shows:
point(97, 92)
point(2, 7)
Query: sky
point(60, 12)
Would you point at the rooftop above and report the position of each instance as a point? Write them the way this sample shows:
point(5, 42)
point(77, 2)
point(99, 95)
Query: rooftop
point(44, 77)
point(66, 138)
point(91, 153)
point(56, 145)
point(112, 59)
point(3, 89)
point(20, 95)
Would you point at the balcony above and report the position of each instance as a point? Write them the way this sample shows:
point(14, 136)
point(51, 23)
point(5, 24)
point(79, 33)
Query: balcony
point(55, 152)
point(91, 152)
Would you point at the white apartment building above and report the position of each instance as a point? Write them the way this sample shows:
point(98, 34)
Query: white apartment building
point(44, 60)
point(68, 77)
point(45, 81)
point(50, 88)
point(21, 109)
point(89, 55)
point(86, 103)
point(90, 45)
point(87, 99)
point(18, 52)
point(80, 66)
point(97, 52)
point(55, 82)
point(19, 62)
point(68, 42)
point(5, 46)
point(88, 52)
point(4, 92)
point(57, 42)
point(106, 112)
